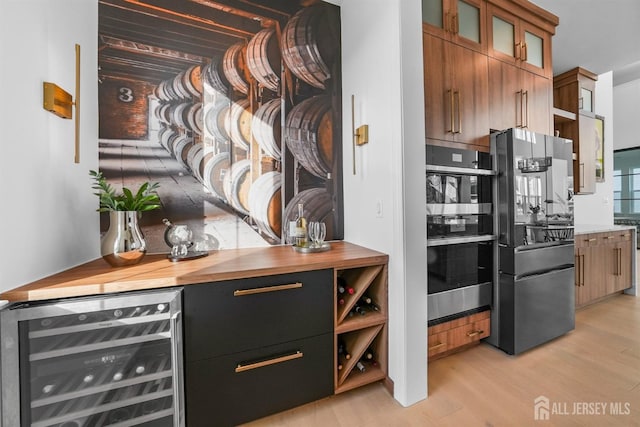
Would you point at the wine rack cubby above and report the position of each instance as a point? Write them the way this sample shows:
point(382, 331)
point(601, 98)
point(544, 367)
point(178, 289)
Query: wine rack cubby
point(361, 326)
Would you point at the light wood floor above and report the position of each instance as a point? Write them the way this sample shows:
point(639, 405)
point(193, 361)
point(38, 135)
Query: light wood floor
point(597, 362)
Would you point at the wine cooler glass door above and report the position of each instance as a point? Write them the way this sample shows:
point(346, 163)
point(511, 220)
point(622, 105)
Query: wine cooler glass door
point(91, 362)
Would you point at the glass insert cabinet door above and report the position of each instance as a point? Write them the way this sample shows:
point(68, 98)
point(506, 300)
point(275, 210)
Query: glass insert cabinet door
point(457, 20)
point(514, 40)
point(91, 362)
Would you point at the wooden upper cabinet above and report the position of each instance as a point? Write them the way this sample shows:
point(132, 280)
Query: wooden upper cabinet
point(518, 98)
point(456, 93)
point(573, 91)
point(518, 42)
point(459, 21)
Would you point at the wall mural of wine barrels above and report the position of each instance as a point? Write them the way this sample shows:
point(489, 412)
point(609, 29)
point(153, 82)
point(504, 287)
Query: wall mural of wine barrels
point(233, 107)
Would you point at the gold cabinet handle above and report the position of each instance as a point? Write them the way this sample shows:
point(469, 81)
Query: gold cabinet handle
point(619, 261)
point(457, 95)
point(517, 50)
point(610, 237)
point(452, 115)
point(262, 364)
point(440, 344)
point(520, 94)
point(582, 270)
point(447, 27)
point(593, 239)
point(525, 117)
point(253, 291)
point(526, 53)
point(474, 333)
point(456, 24)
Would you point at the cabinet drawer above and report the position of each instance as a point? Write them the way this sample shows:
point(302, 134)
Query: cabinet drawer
point(438, 343)
point(276, 378)
point(239, 315)
point(469, 333)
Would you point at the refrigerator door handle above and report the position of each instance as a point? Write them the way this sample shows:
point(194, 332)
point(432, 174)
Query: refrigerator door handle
point(545, 272)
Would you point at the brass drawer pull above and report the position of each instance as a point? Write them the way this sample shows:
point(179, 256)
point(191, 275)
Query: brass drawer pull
point(593, 239)
point(244, 292)
point(242, 368)
point(433, 347)
point(474, 333)
point(610, 237)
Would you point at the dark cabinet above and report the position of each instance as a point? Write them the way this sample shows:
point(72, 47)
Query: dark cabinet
point(257, 346)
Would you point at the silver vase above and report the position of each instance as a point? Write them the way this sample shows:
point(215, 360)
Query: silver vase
point(123, 243)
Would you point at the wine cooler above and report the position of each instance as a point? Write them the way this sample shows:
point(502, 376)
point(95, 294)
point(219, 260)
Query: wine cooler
point(91, 362)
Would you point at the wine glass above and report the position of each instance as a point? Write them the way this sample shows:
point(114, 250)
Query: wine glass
point(317, 232)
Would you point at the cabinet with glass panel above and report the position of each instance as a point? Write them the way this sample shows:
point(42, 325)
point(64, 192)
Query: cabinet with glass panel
point(458, 21)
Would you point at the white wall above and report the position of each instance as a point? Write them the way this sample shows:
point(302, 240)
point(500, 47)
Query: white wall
point(382, 67)
point(597, 208)
point(625, 108)
point(47, 209)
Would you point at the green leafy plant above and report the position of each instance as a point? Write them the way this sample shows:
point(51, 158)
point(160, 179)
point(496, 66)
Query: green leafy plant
point(145, 199)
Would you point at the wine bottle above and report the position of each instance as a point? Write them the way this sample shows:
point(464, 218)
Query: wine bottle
point(340, 301)
point(360, 366)
point(342, 349)
point(300, 231)
point(360, 310)
point(368, 354)
point(366, 299)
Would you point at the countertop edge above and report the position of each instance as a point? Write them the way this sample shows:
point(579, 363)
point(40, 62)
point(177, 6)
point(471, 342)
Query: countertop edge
point(156, 271)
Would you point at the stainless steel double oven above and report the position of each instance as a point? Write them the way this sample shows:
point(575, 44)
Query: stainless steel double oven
point(460, 232)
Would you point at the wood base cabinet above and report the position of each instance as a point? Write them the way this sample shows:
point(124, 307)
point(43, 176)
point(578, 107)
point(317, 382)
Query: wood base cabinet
point(455, 335)
point(361, 326)
point(603, 264)
point(257, 346)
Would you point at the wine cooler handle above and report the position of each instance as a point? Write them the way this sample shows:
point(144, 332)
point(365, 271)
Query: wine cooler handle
point(244, 292)
point(175, 356)
point(241, 368)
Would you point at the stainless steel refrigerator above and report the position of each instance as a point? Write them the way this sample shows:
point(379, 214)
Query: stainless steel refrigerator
point(534, 296)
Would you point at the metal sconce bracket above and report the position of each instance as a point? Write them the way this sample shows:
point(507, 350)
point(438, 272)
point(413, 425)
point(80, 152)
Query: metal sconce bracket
point(61, 103)
point(360, 135)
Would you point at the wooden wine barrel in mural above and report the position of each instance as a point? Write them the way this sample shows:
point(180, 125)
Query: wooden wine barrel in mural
point(194, 156)
point(308, 134)
point(266, 127)
point(176, 112)
point(263, 58)
point(162, 113)
point(239, 124)
point(196, 161)
point(237, 183)
point(215, 169)
point(309, 44)
point(265, 204)
point(215, 120)
point(318, 206)
point(167, 139)
point(192, 118)
point(214, 76)
point(180, 149)
point(190, 81)
point(235, 68)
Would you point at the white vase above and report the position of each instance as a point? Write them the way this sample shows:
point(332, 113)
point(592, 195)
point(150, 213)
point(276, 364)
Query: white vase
point(123, 243)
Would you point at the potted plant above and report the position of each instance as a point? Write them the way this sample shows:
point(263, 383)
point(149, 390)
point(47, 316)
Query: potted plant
point(123, 243)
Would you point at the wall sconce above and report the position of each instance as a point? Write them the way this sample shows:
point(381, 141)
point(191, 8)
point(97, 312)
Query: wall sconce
point(360, 135)
point(61, 103)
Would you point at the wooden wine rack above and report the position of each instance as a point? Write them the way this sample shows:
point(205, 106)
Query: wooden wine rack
point(361, 332)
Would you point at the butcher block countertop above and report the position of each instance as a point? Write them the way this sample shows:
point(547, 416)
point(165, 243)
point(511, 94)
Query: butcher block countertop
point(156, 271)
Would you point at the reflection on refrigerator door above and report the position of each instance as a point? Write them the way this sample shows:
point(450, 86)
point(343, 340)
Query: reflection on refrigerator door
point(110, 361)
